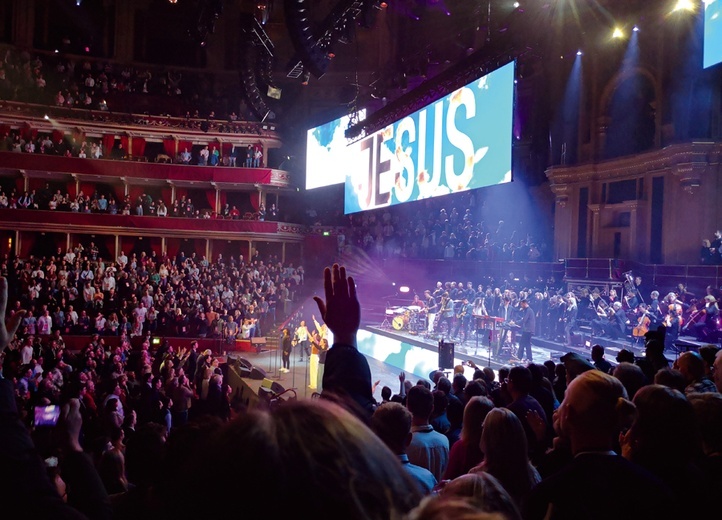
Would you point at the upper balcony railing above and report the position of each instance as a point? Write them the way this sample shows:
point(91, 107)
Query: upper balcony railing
point(139, 173)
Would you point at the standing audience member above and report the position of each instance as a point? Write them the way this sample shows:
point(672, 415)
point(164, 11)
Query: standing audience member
point(466, 453)
point(504, 445)
point(391, 422)
point(428, 449)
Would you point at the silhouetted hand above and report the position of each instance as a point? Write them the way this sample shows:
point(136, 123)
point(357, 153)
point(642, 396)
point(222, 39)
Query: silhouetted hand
point(8, 328)
point(341, 310)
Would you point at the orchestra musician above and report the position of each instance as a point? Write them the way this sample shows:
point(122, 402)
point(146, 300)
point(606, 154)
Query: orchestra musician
point(438, 292)
point(619, 322)
point(600, 326)
point(672, 324)
point(708, 322)
point(654, 306)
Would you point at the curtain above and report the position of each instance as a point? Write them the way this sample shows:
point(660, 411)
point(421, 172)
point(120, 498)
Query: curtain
point(169, 147)
point(255, 200)
point(139, 147)
point(119, 190)
point(124, 142)
point(226, 149)
point(70, 189)
point(108, 144)
point(211, 197)
point(87, 188)
point(57, 136)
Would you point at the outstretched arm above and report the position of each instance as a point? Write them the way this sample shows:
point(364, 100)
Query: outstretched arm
point(347, 372)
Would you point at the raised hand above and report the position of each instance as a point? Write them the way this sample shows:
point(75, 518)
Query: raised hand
point(341, 310)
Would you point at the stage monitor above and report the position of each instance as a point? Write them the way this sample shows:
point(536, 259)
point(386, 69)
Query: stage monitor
point(326, 152)
point(460, 142)
point(712, 32)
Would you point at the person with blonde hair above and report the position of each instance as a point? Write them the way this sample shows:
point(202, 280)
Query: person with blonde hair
point(505, 448)
point(465, 454)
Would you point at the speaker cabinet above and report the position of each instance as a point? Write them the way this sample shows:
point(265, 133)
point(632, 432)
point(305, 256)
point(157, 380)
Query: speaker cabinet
point(258, 373)
point(446, 354)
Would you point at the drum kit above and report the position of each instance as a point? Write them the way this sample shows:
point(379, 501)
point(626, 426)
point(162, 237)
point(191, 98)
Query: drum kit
point(408, 319)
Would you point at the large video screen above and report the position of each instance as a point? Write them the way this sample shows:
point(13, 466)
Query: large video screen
point(460, 142)
point(326, 149)
point(712, 32)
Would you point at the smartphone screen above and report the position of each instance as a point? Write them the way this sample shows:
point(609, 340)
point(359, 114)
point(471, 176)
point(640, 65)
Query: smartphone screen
point(47, 415)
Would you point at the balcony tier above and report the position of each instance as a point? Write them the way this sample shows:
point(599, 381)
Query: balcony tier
point(139, 173)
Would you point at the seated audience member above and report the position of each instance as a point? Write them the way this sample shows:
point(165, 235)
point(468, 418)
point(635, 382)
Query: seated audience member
point(391, 422)
point(598, 483)
point(466, 453)
point(504, 445)
point(664, 439)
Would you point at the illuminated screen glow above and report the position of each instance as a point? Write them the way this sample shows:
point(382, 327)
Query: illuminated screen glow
point(460, 142)
point(326, 149)
point(712, 32)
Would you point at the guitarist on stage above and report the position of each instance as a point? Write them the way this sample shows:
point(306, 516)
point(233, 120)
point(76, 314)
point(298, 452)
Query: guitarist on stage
point(447, 313)
point(431, 308)
point(463, 318)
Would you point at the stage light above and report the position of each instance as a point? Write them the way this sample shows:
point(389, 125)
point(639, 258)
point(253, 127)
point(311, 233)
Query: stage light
point(516, 5)
point(78, 2)
point(404, 289)
point(684, 5)
point(617, 33)
point(46, 117)
point(579, 52)
point(635, 28)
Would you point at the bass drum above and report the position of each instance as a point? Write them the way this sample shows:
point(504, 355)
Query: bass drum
point(400, 322)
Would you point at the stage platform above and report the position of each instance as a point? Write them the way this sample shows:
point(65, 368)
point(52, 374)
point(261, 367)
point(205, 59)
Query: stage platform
point(390, 352)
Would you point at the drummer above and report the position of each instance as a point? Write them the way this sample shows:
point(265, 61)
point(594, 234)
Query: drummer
point(417, 304)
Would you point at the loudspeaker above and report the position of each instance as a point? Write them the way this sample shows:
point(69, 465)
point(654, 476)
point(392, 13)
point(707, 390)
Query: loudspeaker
point(245, 363)
point(446, 354)
point(257, 373)
point(277, 388)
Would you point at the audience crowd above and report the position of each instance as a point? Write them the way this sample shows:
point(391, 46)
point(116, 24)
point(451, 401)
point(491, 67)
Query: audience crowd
point(449, 227)
point(78, 292)
point(142, 205)
point(144, 431)
point(71, 82)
